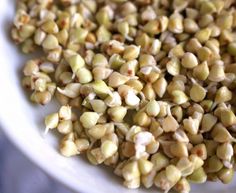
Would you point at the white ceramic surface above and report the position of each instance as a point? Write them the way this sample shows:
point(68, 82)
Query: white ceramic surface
point(22, 122)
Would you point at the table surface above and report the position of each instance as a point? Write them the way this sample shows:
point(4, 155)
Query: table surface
point(16, 168)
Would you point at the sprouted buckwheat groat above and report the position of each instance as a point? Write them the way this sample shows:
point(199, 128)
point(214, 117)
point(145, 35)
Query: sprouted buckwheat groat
point(146, 87)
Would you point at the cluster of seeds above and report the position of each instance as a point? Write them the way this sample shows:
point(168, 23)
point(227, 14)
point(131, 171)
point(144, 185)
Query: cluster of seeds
point(146, 87)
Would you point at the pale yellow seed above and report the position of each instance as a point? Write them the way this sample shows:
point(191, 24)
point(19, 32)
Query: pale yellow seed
point(84, 75)
point(169, 124)
point(153, 108)
point(223, 94)
point(197, 93)
point(217, 73)
point(201, 71)
point(65, 126)
point(82, 144)
point(76, 62)
point(131, 52)
point(97, 131)
point(131, 171)
point(68, 148)
point(50, 42)
point(116, 79)
point(173, 67)
point(179, 149)
point(189, 60)
point(160, 86)
point(89, 119)
point(108, 148)
point(179, 97)
point(98, 106)
point(117, 114)
point(65, 113)
point(173, 174)
point(203, 35)
point(145, 166)
point(51, 121)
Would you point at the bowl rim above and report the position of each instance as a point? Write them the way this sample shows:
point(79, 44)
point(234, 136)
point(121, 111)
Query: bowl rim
point(49, 171)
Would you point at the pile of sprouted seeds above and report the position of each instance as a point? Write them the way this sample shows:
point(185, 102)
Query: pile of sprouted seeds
point(153, 81)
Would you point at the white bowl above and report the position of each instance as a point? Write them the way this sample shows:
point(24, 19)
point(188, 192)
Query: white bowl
point(22, 122)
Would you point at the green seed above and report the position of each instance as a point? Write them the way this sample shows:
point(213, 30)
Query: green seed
point(223, 94)
point(203, 35)
point(226, 175)
point(213, 164)
point(227, 117)
point(179, 97)
point(232, 48)
point(99, 60)
point(197, 93)
point(76, 62)
point(198, 176)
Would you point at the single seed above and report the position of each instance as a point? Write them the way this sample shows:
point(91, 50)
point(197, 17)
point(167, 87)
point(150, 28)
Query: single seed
point(208, 122)
point(51, 121)
point(65, 126)
point(179, 97)
point(189, 60)
point(160, 87)
point(226, 175)
point(227, 117)
point(201, 71)
point(145, 166)
point(169, 124)
point(197, 93)
point(198, 176)
point(203, 35)
point(89, 119)
point(217, 73)
point(108, 148)
point(50, 42)
point(68, 148)
point(223, 94)
point(117, 114)
point(76, 62)
point(84, 75)
point(131, 52)
point(153, 108)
